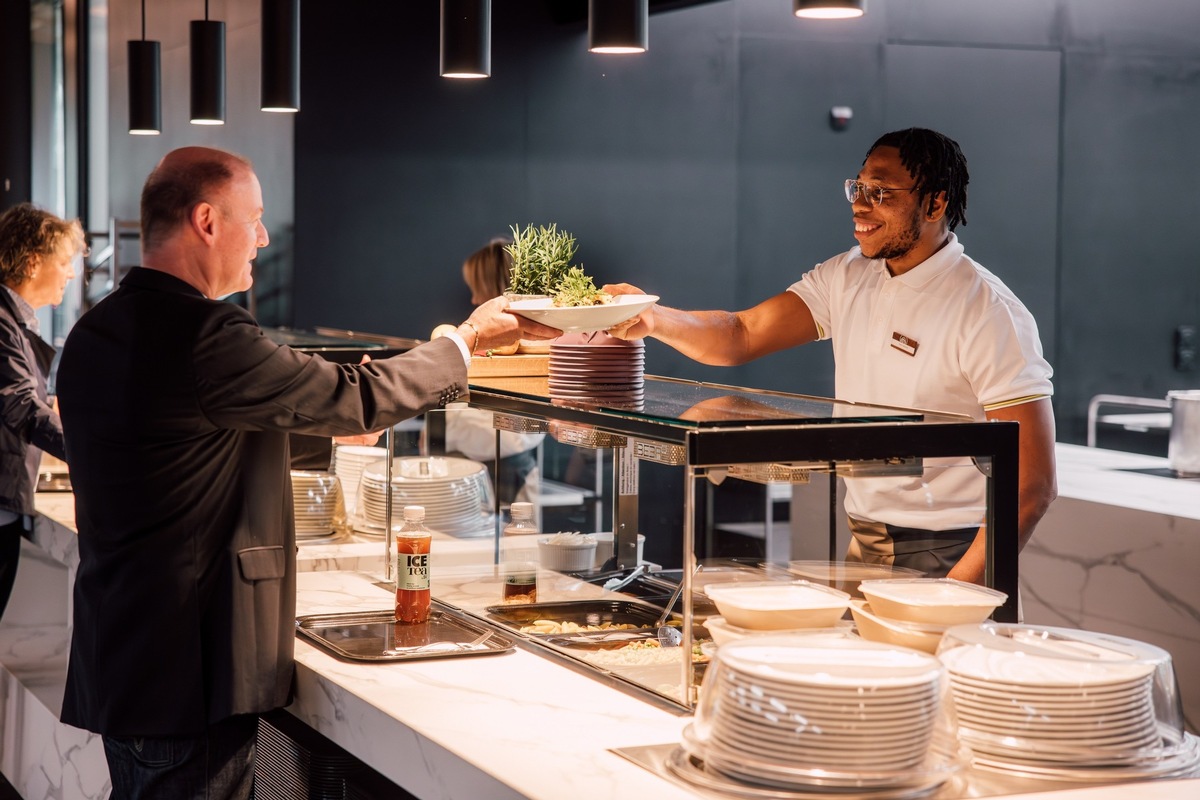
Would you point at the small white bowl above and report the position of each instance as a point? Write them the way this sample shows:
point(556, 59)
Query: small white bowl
point(722, 632)
point(933, 601)
point(918, 636)
point(776, 605)
point(565, 555)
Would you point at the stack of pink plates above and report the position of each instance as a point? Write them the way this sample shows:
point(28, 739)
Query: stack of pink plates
point(597, 369)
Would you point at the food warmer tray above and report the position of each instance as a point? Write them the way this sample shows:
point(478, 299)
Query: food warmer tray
point(375, 636)
point(643, 618)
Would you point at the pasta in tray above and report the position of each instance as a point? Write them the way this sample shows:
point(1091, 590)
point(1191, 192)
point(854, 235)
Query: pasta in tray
point(553, 627)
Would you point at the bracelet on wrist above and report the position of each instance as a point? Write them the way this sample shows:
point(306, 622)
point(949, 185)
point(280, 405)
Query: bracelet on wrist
point(475, 344)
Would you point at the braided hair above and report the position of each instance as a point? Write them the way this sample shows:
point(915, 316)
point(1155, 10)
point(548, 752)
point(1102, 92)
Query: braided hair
point(937, 164)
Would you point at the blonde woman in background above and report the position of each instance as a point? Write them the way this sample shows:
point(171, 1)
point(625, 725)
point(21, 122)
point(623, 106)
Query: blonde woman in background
point(37, 259)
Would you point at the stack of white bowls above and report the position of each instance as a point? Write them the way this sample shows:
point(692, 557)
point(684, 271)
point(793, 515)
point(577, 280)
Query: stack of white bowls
point(757, 608)
point(806, 713)
point(915, 612)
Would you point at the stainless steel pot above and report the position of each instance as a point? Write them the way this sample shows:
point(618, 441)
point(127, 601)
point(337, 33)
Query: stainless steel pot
point(1183, 450)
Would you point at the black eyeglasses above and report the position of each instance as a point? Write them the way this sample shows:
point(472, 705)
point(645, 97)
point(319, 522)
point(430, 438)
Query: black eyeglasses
point(872, 193)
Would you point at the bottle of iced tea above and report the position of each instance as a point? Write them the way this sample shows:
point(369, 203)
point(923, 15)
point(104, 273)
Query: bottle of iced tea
point(412, 567)
point(518, 556)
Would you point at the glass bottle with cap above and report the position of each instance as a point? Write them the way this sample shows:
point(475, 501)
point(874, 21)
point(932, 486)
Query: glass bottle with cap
point(518, 556)
point(412, 567)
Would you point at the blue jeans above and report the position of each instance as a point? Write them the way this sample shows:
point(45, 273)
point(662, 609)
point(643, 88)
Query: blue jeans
point(216, 765)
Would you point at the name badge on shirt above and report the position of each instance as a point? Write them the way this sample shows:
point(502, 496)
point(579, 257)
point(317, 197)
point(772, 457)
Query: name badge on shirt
point(904, 344)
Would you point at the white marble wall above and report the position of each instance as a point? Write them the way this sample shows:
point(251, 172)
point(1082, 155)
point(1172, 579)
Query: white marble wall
point(41, 757)
point(1122, 572)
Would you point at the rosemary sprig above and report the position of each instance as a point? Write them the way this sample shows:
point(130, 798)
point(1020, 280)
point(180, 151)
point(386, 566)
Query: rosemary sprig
point(540, 258)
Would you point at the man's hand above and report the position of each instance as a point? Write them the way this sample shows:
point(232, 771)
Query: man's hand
point(492, 326)
point(638, 327)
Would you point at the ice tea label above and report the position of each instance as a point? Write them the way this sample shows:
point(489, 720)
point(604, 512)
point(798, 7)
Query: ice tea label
point(412, 571)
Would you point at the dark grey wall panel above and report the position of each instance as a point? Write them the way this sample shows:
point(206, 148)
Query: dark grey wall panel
point(636, 156)
point(792, 212)
point(1002, 107)
point(1130, 272)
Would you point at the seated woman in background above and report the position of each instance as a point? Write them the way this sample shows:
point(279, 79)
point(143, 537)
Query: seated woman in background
point(37, 259)
point(468, 431)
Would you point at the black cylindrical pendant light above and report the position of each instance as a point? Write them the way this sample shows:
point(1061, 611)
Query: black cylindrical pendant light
point(208, 71)
point(829, 9)
point(145, 85)
point(618, 26)
point(466, 38)
point(280, 55)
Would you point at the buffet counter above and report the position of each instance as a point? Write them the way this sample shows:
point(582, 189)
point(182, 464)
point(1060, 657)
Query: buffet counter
point(512, 725)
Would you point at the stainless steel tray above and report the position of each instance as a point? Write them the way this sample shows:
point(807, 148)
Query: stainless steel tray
point(375, 636)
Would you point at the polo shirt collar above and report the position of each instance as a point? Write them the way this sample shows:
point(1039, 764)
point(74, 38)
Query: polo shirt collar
point(933, 266)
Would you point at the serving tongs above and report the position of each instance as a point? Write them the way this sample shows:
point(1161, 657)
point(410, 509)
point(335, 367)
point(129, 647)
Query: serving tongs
point(617, 584)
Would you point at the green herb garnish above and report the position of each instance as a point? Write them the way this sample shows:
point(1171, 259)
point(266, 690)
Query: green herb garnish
point(578, 289)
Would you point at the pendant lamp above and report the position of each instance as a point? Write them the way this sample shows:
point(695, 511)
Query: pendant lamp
point(618, 26)
point(145, 85)
point(829, 9)
point(466, 39)
point(208, 70)
point(280, 55)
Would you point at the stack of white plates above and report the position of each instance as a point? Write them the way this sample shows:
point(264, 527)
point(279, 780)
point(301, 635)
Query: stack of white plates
point(315, 498)
point(454, 492)
point(1066, 705)
point(348, 463)
point(597, 369)
point(797, 712)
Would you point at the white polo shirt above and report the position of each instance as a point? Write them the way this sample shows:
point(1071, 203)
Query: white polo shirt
point(946, 336)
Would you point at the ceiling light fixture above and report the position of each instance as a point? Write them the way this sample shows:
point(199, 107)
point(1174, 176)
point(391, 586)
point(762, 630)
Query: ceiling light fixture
point(829, 9)
point(466, 39)
point(208, 70)
point(280, 90)
point(145, 85)
point(618, 26)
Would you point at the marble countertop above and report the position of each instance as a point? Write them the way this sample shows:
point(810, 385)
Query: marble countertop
point(1126, 480)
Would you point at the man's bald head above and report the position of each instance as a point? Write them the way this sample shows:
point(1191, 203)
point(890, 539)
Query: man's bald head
point(184, 178)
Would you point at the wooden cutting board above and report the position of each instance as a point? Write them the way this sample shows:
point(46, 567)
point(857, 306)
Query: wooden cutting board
point(515, 365)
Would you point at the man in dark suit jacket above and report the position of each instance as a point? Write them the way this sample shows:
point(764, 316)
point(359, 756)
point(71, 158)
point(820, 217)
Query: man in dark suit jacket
point(177, 411)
